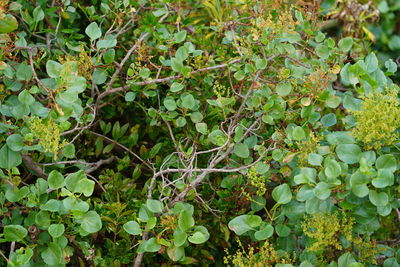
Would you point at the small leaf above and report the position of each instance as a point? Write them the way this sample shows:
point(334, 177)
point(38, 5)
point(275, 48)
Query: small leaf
point(284, 88)
point(180, 36)
point(93, 31)
point(8, 23)
point(15, 142)
point(241, 150)
point(348, 153)
point(91, 222)
point(345, 44)
point(298, 133)
point(53, 68)
point(14, 232)
point(154, 205)
point(52, 255)
point(179, 237)
point(56, 230)
point(9, 158)
point(265, 232)
point(378, 199)
point(151, 245)
point(282, 194)
point(185, 220)
point(55, 180)
point(132, 228)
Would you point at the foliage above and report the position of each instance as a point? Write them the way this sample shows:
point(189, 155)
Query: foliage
point(159, 132)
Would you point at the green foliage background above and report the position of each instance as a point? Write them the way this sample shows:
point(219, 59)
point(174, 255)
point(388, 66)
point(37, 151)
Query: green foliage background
point(204, 133)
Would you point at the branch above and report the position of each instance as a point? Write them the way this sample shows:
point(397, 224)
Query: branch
point(32, 166)
point(163, 80)
point(124, 148)
point(98, 164)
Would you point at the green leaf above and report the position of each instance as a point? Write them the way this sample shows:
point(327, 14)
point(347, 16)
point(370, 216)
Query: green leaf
point(8, 23)
point(345, 44)
point(108, 42)
point(179, 237)
point(282, 194)
point(99, 76)
point(55, 180)
point(284, 88)
point(130, 96)
point(322, 190)
point(176, 87)
point(217, 137)
point(298, 133)
point(154, 150)
point(180, 36)
point(240, 224)
point(151, 245)
point(261, 63)
point(170, 103)
point(14, 232)
point(9, 158)
point(239, 75)
point(24, 72)
point(188, 101)
point(345, 260)
point(42, 219)
point(176, 253)
point(38, 14)
point(73, 179)
point(201, 127)
point(56, 230)
point(332, 169)
point(315, 159)
point(378, 199)
point(91, 222)
point(15, 142)
point(85, 186)
point(196, 117)
point(93, 31)
point(52, 255)
point(348, 153)
point(328, 120)
point(241, 150)
point(185, 220)
point(387, 161)
point(182, 53)
point(53, 68)
point(176, 64)
point(199, 236)
point(372, 62)
point(69, 151)
point(132, 228)
point(154, 205)
point(26, 98)
point(265, 232)
point(384, 178)
point(322, 51)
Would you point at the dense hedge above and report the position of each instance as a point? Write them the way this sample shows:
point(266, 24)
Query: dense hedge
point(208, 133)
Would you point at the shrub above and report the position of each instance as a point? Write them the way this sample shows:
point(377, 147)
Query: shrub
point(158, 132)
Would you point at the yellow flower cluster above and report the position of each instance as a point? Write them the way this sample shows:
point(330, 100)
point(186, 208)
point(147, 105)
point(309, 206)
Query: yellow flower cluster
point(84, 60)
point(267, 256)
point(308, 146)
point(377, 120)
point(47, 131)
point(257, 181)
point(221, 90)
point(325, 230)
point(283, 23)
